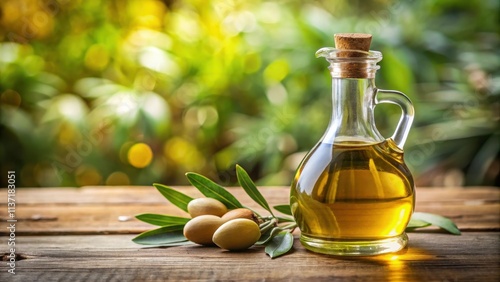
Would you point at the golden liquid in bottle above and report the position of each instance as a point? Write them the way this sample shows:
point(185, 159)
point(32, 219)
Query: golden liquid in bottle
point(352, 194)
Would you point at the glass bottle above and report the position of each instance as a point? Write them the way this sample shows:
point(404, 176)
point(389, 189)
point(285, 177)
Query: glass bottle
point(353, 194)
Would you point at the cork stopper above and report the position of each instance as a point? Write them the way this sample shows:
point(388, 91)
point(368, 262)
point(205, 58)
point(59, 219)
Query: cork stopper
point(353, 41)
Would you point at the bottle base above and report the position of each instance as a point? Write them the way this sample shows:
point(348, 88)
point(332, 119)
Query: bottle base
point(355, 248)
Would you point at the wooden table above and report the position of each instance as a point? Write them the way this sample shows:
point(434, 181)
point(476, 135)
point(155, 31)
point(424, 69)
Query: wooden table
point(84, 234)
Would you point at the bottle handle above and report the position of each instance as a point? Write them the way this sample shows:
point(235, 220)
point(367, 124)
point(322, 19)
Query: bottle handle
point(400, 99)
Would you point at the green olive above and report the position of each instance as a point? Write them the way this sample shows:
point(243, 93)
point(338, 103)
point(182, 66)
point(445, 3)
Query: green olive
point(239, 213)
point(200, 229)
point(237, 234)
point(203, 206)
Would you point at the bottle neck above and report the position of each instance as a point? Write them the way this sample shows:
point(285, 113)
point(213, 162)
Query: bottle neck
point(352, 119)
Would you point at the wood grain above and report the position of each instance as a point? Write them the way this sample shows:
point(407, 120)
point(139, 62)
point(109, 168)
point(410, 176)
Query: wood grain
point(96, 210)
point(63, 234)
point(430, 257)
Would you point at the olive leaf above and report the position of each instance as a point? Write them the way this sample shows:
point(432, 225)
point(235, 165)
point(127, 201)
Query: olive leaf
point(285, 219)
point(264, 237)
point(161, 236)
point(269, 235)
point(415, 223)
point(267, 225)
point(162, 220)
point(437, 220)
point(249, 186)
point(173, 244)
point(175, 197)
point(279, 244)
point(213, 190)
point(285, 209)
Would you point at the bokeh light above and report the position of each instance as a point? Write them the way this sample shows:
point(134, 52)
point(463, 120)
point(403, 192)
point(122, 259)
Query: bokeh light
point(140, 155)
point(97, 57)
point(141, 91)
point(11, 97)
point(87, 175)
point(184, 153)
point(118, 178)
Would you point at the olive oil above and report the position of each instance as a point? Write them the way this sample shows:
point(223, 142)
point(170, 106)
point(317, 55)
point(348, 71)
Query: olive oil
point(353, 194)
point(353, 197)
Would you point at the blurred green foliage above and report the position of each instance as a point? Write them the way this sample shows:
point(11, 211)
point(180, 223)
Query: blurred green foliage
point(140, 91)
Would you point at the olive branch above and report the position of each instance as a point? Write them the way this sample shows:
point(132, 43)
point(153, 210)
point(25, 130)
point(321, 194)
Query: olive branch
point(276, 231)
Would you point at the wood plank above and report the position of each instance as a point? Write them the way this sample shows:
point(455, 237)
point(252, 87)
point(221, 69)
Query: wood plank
point(148, 194)
point(432, 257)
point(93, 219)
point(96, 210)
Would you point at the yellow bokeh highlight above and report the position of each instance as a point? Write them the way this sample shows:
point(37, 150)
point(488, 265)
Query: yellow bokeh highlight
point(276, 71)
point(252, 62)
point(97, 57)
point(68, 135)
point(118, 178)
point(140, 155)
point(87, 175)
point(26, 20)
point(147, 13)
point(184, 153)
point(11, 12)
